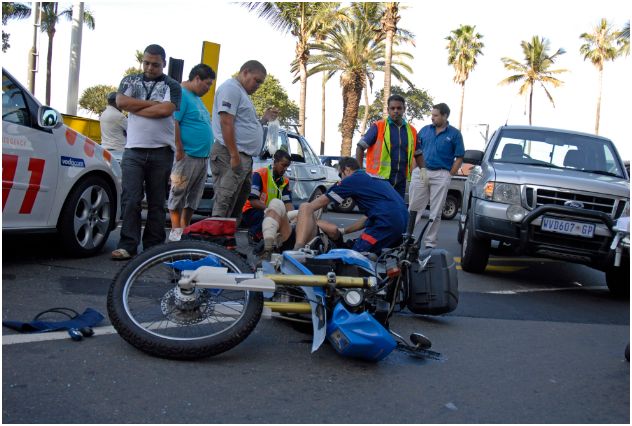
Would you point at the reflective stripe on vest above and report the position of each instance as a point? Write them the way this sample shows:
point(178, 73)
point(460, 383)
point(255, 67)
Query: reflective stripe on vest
point(270, 190)
point(378, 160)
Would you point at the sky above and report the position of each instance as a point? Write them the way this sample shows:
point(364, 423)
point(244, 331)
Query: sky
point(181, 27)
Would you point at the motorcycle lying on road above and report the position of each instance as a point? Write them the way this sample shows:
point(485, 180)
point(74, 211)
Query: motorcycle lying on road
point(192, 299)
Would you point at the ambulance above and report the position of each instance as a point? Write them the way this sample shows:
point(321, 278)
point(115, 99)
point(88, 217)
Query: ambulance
point(53, 178)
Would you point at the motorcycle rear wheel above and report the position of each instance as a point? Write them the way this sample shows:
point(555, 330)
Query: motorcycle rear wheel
point(148, 311)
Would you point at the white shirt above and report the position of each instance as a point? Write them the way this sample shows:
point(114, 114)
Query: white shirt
point(113, 126)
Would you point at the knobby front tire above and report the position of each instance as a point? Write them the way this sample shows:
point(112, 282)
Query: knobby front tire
point(147, 310)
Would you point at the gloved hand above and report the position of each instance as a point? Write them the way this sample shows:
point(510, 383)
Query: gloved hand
point(423, 176)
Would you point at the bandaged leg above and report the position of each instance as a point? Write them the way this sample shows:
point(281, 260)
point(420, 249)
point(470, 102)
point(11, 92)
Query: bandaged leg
point(270, 228)
point(274, 215)
point(292, 215)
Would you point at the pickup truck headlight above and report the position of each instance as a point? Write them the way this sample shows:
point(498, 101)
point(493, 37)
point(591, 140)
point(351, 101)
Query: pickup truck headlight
point(500, 192)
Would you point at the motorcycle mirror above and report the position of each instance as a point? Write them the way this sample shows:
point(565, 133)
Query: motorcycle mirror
point(420, 341)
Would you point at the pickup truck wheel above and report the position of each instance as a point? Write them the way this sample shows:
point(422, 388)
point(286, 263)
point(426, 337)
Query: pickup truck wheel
point(618, 279)
point(474, 251)
point(450, 207)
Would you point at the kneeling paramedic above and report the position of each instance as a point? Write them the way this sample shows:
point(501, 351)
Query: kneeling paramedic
point(385, 215)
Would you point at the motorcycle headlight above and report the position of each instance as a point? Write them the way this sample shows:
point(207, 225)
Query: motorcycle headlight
point(353, 298)
point(500, 192)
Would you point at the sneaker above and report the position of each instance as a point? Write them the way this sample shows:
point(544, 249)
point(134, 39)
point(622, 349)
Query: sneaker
point(175, 234)
point(266, 255)
point(121, 254)
point(253, 240)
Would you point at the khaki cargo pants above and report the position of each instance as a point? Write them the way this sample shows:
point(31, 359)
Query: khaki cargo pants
point(231, 187)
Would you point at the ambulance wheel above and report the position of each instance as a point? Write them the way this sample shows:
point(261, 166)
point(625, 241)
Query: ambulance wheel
point(87, 217)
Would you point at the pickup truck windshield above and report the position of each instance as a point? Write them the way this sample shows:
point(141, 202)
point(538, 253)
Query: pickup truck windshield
point(558, 149)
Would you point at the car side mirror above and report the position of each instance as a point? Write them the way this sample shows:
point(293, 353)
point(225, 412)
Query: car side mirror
point(473, 156)
point(49, 118)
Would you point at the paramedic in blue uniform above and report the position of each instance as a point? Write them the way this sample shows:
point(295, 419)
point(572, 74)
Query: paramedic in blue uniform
point(385, 214)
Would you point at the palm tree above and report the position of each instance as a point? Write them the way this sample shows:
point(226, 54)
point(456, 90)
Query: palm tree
point(623, 39)
point(599, 47)
point(464, 45)
point(383, 18)
point(389, 26)
point(535, 69)
point(351, 48)
point(319, 36)
point(303, 20)
point(12, 10)
point(393, 35)
point(50, 18)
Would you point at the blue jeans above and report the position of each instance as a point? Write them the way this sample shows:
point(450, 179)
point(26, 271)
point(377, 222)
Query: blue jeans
point(145, 171)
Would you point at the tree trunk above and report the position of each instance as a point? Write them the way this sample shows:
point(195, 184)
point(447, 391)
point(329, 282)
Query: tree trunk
point(389, 26)
point(49, 63)
point(365, 119)
point(351, 95)
point(303, 97)
point(322, 116)
point(388, 56)
point(462, 102)
point(530, 103)
point(598, 116)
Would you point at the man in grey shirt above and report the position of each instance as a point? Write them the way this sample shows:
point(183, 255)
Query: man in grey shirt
point(238, 136)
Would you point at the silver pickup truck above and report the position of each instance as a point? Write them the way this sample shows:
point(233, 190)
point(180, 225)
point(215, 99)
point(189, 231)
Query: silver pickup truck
point(549, 193)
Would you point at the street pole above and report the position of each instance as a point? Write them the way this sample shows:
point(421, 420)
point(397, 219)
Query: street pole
point(75, 59)
point(33, 52)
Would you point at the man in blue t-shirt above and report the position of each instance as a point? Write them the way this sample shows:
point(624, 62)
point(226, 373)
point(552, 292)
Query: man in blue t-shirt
point(194, 136)
point(385, 215)
point(442, 147)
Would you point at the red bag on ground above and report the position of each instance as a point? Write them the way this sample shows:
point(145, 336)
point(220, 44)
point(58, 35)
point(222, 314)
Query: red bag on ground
point(216, 230)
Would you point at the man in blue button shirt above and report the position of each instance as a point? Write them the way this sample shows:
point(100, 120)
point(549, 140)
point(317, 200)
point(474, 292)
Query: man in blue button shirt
point(443, 150)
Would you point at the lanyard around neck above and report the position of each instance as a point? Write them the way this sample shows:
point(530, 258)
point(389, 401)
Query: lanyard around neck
point(148, 95)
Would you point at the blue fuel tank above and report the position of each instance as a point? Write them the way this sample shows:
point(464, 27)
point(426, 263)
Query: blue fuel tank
point(359, 335)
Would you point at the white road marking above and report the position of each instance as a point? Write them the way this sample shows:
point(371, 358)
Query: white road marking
point(13, 339)
point(536, 290)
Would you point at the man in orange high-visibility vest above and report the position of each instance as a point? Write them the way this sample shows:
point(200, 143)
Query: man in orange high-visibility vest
point(268, 183)
point(391, 145)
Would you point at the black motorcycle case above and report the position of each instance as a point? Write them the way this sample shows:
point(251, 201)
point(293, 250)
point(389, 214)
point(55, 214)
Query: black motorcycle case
point(433, 289)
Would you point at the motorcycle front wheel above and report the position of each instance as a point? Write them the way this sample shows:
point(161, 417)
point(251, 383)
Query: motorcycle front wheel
point(149, 311)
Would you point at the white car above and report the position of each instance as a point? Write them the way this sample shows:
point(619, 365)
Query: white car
point(53, 178)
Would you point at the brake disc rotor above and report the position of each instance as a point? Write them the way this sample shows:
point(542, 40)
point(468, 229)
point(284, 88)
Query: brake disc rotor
point(187, 309)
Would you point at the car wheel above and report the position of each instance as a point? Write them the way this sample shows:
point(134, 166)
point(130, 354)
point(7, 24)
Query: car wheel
point(618, 279)
point(87, 217)
point(346, 206)
point(474, 251)
point(450, 207)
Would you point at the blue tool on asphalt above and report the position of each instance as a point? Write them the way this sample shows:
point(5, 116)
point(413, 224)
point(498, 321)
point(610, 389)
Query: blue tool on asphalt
point(78, 325)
